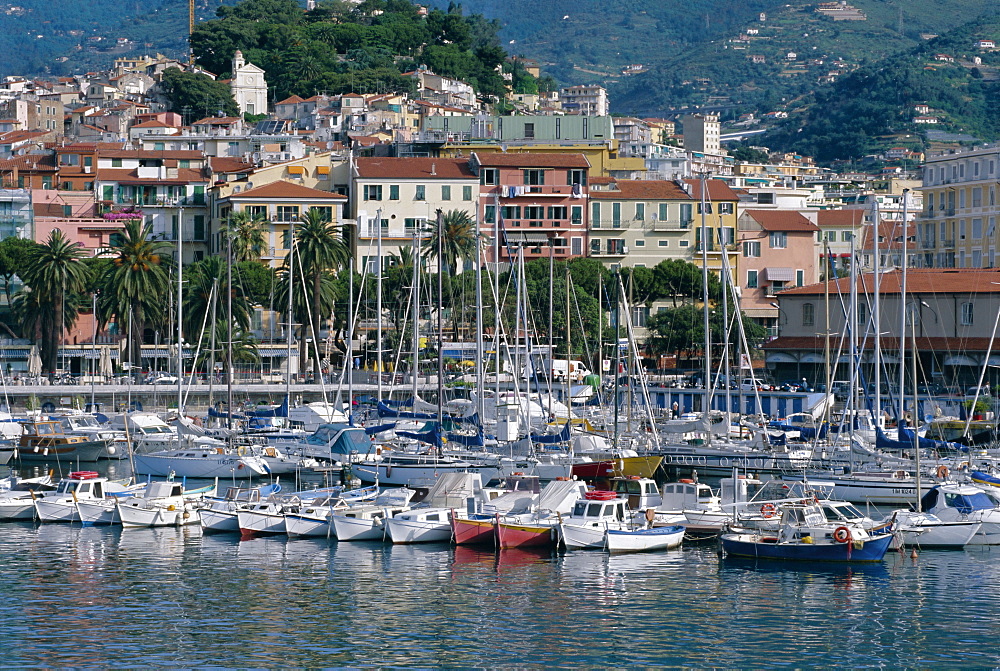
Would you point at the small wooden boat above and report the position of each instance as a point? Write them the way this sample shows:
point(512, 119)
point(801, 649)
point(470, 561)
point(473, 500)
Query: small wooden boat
point(44, 440)
point(643, 540)
point(542, 533)
point(473, 530)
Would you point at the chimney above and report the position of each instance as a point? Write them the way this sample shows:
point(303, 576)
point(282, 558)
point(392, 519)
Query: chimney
point(433, 168)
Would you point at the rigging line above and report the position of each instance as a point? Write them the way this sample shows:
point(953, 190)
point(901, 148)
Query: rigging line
point(201, 340)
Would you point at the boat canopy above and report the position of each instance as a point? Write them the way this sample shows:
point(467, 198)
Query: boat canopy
point(964, 503)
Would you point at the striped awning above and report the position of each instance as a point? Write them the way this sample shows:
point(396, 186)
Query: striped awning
point(86, 353)
point(277, 351)
point(14, 353)
point(779, 274)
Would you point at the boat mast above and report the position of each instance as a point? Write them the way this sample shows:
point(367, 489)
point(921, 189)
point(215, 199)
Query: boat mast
point(378, 302)
point(569, 349)
point(877, 314)
point(180, 302)
point(291, 312)
point(902, 322)
point(704, 297)
point(415, 367)
point(724, 277)
point(440, 325)
point(229, 321)
point(552, 307)
point(618, 349)
point(916, 434)
point(479, 369)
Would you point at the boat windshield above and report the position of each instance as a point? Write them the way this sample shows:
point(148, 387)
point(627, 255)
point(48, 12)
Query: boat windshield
point(843, 511)
point(966, 503)
point(67, 487)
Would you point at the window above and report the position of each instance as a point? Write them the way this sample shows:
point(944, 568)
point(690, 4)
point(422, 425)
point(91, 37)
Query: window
point(708, 208)
point(616, 215)
point(663, 243)
point(576, 215)
point(686, 216)
point(69, 159)
point(595, 246)
point(977, 196)
point(684, 243)
point(595, 215)
point(557, 212)
point(765, 199)
point(752, 282)
point(509, 212)
point(966, 319)
point(576, 246)
point(800, 278)
point(846, 236)
point(158, 146)
point(67, 210)
point(199, 195)
point(420, 192)
point(184, 163)
point(490, 214)
point(808, 314)
point(199, 227)
point(534, 177)
point(529, 131)
point(286, 239)
point(394, 192)
point(288, 213)
point(640, 211)
point(108, 192)
point(779, 239)
point(372, 192)
point(534, 212)
point(257, 211)
point(776, 286)
point(662, 214)
point(116, 163)
point(576, 176)
point(88, 161)
point(640, 243)
point(725, 208)
point(751, 248)
point(977, 229)
point(325, 213)
point(466, 193)
point(489, 176)
point(445, 192)
point(67, 186)
point(412, 225)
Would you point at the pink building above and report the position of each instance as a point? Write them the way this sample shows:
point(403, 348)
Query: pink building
point(778, 252)
point(542, 200)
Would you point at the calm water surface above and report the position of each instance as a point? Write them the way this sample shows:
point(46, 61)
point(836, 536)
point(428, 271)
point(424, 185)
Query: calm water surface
point(88, 597)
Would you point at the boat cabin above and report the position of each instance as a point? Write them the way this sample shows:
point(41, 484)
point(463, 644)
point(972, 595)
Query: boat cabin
point(964, 498)
point(597, 512)
point(163, 489)
point(342, 441)
point(640, 492)
point(89, 488)
point(687, 495)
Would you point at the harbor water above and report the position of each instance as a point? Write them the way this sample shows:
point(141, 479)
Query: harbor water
point(105, 597)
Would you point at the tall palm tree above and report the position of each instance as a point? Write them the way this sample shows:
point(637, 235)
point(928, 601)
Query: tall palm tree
point(458, 240)
point(55, 268)
point(135, 285)
point(248, 234)
point(320, 247)
point(200, 278)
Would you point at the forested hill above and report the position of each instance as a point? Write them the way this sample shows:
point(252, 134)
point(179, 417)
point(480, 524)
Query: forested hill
point(877, 105)
point(65, 36)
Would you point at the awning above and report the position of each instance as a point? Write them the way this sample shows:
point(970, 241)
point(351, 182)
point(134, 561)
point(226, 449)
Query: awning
point(779, 274)
point(323, 170)
point(296, 170)
point(810, 357)
point(779, 357)
point(278, 351)
point(527, 238)
point(761, 313)
point(14, 353)
point(960, 360)
point(87, 353)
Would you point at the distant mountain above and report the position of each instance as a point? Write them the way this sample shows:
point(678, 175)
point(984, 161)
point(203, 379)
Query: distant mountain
point(62, 37)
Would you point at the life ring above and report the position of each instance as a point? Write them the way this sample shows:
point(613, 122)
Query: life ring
point(768, 510)
point(241, 451)
point(842, 535)
point(942, 472)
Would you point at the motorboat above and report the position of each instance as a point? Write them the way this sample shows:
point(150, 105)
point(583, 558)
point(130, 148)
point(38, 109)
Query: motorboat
point(200, 462)
point(954, 502)
point(643, 540)
point(591, 517)
point(44, 440)
point(61, 505)
point(539, 527)
point(804, 533)
point(313, 518)
point(431, 522)
point(162, 504)
point(929, 531)
point(17, 500)
point(367, 522)
point(220, 513)
point(78, 423)
point(267, 518)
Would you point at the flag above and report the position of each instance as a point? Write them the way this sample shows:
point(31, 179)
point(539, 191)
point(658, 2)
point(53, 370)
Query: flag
point(745, 362)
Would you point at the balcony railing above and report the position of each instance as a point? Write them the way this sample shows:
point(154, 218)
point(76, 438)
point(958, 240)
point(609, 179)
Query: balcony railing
point(671, 224)
point(532, 191)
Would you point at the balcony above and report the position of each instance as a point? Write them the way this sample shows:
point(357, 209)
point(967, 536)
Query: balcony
point(534, 191)
point(611, 251)
point(948, 242)
point(671, 224)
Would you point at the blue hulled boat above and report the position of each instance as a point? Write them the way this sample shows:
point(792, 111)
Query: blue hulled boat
point(805, 534)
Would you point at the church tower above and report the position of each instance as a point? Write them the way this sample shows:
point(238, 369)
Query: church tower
point(248, 86)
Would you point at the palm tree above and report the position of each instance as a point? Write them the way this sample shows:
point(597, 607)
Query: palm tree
point(200, 278)
point(248, 234)
point(54, 269)
point(320, 246)
point(135, 285)
point(458, 240)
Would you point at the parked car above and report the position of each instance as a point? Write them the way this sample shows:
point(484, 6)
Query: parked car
point(981, 392)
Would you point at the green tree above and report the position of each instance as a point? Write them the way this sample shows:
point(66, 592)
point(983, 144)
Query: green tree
point(199, 92)
point(320, 247)
point(53, 270)
point(458, 240)
point(135, 285)
point(203, 279)
point(248, 235)
point(14, 253)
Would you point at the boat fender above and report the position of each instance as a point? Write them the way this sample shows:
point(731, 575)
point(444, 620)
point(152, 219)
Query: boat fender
point(650, 515)
point(768, 510)
point(171, 507)
point(942, 472)
point(842, 535)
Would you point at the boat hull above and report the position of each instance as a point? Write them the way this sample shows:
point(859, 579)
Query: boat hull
point(91, 450)
point(139, 514)
point(17, 509)
point(98, 512)
point(300, 526)
point(56, 510)
point(418, 531)
point(419, 476)
point(511, 536)
point(754, 547)
point(359, 528)
point(644, 540)
point(219, 521)
point(466, 531)
point(947, 535)
point(215, 466)
point(260, 524)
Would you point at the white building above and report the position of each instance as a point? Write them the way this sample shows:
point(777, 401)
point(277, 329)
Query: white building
point(248, 86)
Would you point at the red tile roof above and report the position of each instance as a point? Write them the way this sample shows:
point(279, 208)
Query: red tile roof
point(781, 220)
point(229, 164)
point(633, 189)
point(918, 281)
point(532, 160)
point(290, 101)
point(130, 176)
point(717, 189)
point(282, 189)
point(415, 168)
